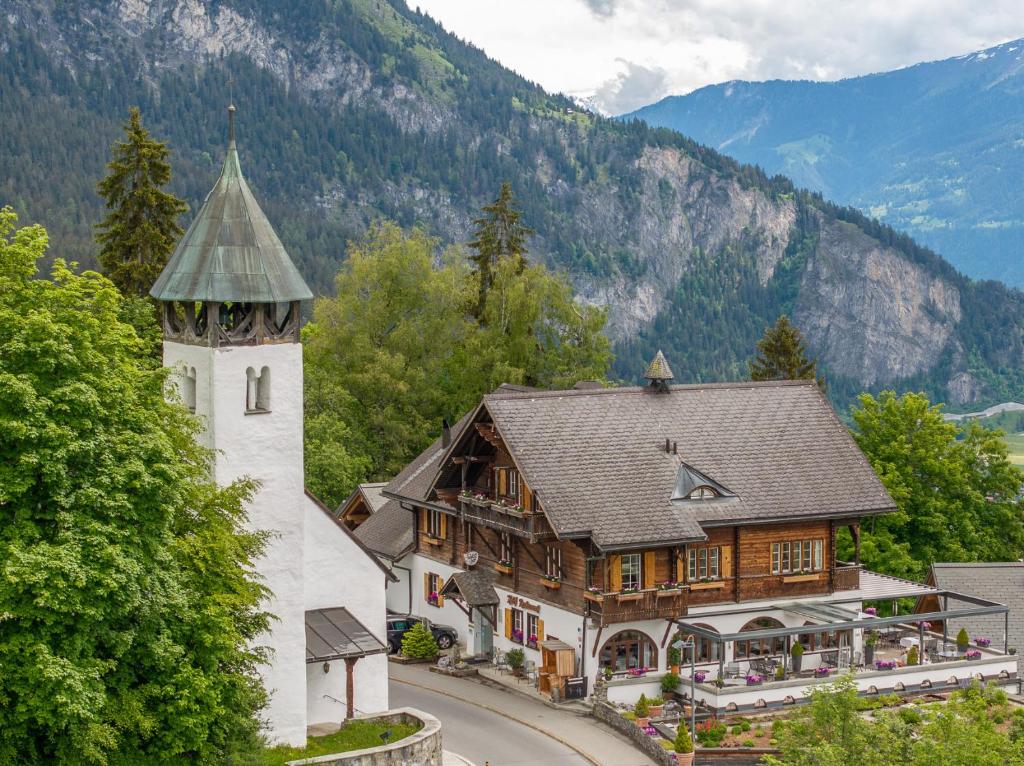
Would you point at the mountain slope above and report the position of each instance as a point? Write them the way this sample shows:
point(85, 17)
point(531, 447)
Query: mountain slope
point(355, 109)
point(936, 149)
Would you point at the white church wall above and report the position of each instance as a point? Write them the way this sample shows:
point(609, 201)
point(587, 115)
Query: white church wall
point(338, 572)
point(266, 446)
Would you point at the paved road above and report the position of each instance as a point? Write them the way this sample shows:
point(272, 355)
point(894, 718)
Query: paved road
point(482, 736)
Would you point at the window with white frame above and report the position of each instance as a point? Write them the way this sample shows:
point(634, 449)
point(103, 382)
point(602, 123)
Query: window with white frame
point(703, 563)
point(553, 562)
point(798, 556)
point(506, 547)
point(631, 571)
point(531, 629)
point(434, 523)
point(512, 483)
point(517, 634)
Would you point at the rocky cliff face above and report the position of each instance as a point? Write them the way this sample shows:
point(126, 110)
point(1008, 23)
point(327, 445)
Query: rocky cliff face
point(364, 109)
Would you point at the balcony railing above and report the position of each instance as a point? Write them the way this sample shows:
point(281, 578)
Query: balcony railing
point(504, 518)
point(610, 608)
point(847, 576)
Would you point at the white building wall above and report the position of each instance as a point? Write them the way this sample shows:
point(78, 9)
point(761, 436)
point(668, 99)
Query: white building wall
point(267, 447)
point(399, 594)
point(338, 572)
point(449, 613)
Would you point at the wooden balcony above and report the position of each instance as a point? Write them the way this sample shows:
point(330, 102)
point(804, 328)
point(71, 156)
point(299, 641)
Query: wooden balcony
point(529, 526)
point(847, 576)
point(611, 608)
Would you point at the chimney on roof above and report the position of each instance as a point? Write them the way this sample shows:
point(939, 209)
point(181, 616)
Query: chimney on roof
point(446, 434)
point(659, 374)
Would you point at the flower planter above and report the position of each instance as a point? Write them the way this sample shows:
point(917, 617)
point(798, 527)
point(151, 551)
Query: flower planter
point(643, 722)
point(674, 669)
point(656, 711)
point(684, 759)
point(503, 569)
point(597, 597)
point(481, 502)
point(668, 592)
point(802, 577)
point(622, 598)
point(707, 585)
point(550, 584)
point(869, 655)
point(500, 508)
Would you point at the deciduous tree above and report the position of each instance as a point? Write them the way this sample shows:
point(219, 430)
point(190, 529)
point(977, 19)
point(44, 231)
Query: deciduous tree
point(127, 614)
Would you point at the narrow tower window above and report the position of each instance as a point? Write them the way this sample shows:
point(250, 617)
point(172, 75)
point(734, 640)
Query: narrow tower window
point(257, 390)
point(188, 389)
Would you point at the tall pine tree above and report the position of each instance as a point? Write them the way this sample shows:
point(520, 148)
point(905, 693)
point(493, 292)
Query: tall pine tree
point(140, 231)
point(499, 235)
point(783, 356)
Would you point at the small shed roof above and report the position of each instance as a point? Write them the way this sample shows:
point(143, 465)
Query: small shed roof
point(475, 587)
point(335, 634)
point(230, 252)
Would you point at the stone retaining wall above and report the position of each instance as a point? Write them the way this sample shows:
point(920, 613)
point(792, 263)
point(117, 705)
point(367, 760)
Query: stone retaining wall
point(648, 745)
point(420, 749)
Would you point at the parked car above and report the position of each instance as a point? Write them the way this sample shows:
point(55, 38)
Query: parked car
point(400, 624)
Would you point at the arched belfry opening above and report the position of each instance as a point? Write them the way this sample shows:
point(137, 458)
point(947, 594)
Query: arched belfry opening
point(230, 281)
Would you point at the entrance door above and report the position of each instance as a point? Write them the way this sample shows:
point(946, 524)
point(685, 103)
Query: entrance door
point(483, 637)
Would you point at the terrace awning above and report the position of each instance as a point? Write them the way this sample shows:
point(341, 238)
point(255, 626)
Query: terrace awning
point(334, 634)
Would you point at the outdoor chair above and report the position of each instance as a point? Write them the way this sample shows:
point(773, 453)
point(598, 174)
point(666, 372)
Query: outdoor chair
point(530, 671)
point(500, 662)
point(732, 670)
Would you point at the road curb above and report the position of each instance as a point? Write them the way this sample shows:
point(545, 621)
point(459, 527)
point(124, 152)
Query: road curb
point(505, 714)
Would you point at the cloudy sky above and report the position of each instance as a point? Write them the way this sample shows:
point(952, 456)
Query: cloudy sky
point(627, 53)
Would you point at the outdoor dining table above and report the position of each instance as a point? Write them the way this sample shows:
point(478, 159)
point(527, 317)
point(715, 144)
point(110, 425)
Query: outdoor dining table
point(908, 641)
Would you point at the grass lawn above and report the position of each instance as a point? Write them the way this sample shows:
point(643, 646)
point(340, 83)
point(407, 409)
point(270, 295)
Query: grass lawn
point(1016, 444)
point(355, 735)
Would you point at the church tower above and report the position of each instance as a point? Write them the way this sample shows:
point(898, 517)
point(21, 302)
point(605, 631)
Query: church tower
point(230, 298)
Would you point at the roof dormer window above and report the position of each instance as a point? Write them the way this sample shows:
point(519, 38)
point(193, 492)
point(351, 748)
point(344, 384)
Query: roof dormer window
point(703, 493)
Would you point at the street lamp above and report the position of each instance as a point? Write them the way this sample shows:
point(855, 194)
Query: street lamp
point(690, 643)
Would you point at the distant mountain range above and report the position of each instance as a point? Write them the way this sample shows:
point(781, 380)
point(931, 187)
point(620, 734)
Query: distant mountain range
point(936, 149)
point(352, 110)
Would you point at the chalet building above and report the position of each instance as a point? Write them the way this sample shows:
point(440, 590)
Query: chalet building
point(361, 504)
point(230, 299)
point(608, 524)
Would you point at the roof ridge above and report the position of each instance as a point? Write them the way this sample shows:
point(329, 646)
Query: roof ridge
point(727, 385)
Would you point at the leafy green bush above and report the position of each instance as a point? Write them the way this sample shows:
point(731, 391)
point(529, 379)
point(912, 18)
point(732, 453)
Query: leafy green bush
point(748, 743)
point(642, 709)
point(669, 683)
point(419, 644)
point(963, 640)
point(736, 731)
point(712, 736)
point(1017, 727)
point(744, 724)
point(797, 650)
point(909, 716)
point(912, 657)
point(515, 658)
point(683, 742)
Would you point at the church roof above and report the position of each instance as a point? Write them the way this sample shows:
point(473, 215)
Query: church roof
point(659, 369)
point(230, 252)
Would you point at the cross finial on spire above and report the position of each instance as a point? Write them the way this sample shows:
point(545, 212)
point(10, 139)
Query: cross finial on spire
point(231, 123)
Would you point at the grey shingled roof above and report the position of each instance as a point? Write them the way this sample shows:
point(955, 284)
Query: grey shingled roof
point(230, 252)
point(389, 531)
point(1000, 582)
point(597, 458)
point(476, 587)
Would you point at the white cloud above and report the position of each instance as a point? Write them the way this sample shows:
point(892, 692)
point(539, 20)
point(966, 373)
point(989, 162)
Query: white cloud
point(619, 51)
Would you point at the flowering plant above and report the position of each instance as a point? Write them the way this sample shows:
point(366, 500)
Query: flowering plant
point(637, 672)
point(650, 731)
point(822, 672)
point(479, 496)
point(982, 641)
point(432, 598)
point(593, 589)
point(517, 636)
point(924, 625)
point(754, 679)
point(628, 590)
point(552, 578)
point(699, 676)
point(885, 664)
point(668, 585)
point(972, 654)
point(871, 611)
point(505, 563)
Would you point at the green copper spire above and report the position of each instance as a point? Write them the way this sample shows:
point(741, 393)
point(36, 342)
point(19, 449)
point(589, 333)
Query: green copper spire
point(230, 252)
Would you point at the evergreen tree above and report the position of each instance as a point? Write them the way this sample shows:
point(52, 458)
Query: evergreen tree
point(783, 356)
point(419, 643)
point(140, 231)
point(129, 614)
point(499, 235)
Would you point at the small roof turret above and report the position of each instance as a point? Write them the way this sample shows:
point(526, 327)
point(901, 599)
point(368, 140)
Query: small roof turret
point(659, 373)
point(230, 253)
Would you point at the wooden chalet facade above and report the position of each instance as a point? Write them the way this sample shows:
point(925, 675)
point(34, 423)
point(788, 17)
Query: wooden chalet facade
point(600, 525)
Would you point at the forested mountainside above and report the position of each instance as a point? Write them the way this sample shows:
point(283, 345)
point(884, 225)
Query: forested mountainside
point(933, 149)
point(350, 110)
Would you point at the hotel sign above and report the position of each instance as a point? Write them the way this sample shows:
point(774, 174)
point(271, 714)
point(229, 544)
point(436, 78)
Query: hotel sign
point(522, 603)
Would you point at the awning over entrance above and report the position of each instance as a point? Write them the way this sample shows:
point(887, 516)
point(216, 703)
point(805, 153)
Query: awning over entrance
point(334, 634)
point(474, 588)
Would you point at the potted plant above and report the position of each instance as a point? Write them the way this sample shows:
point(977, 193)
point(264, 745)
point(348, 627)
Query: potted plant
point(753, 679)
point(699, 677)
point(912, 656)
point(630, 594)
point(870, 641)
point(673, 659)
point(515, 659)
point(871, 611)
point(608, 672)
point(797, 653)
point(656, 704)
point(972, 654)
point(885, 664)
point(593, 593)
point(683, 747)
point(668, 588)
point(982, 641)
point(504, 566)
point(532, 642)
point(669, 684)
point(517, 636)
point(642, 711)
point(780, 672)
point(551, 582)
point(822, 672)
point(962, 640)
